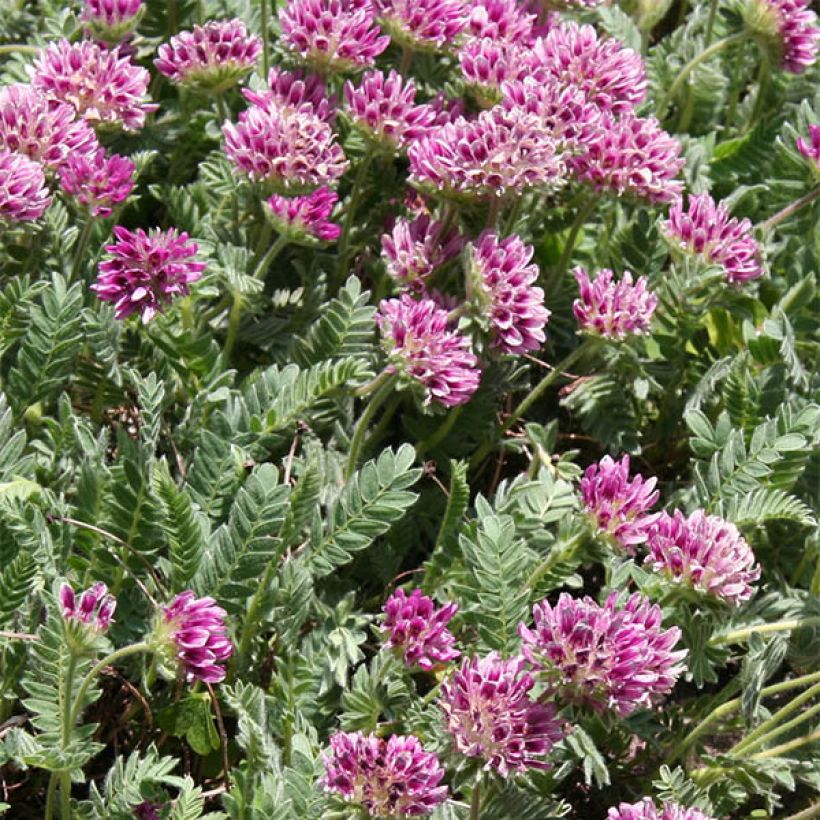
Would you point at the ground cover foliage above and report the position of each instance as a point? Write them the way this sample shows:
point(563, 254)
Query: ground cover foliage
point(376, 403)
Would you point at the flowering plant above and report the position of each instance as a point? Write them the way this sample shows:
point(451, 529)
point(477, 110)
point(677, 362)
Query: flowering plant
point(407, 409)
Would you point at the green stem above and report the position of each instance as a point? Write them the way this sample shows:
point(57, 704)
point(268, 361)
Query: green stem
point(65, 795)
point(692, 65)
point(754, 738)
point(234, 318)
point(65, 777)
point(762, 87)
point(710, 23)
point(263, 25)
point(475, 800)
point(272, 252)
point(352, 206)
point(79, 251)
point(557, 554)
point(789, 210)
point(740, 635)
point(441, 432)
point(584, 212)
point(108, 660)
point(766, 739)
point(726, 709)
point(367, 416)
point(534, 395)
point(807, 814)
point(51, 794)
point(406, 61)
point(15, 47)
point(777, 751)
point(221, 109)
point(249, 629)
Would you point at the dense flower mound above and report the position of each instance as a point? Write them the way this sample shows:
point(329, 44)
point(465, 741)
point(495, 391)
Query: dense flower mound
point(418, 630)
point(632, 156)
point(612, 309)
point(384, 108)
point(292, 152)
point(104, 87)
point(388, 778)
point(706, 229)
point(305, 217)
point(705, 553)
point(496, 154)
point(486, 63)
point(787, 29)
point(295, 92)
point(98, 182)
point(811, 148)
point(94, 607)
point(647, 810)
point(416, 248)
point(604, 657)
point(422, 25)
point(563, 109)
point(617, 505)
point(504, 288)
point(500, 20)
point(332, 35)
point(213, 57)
point(611, 75)
point(145, 271)
point(196, 627)
point(112, 20)
point(42, 130)
point(425, 352)
point(23, 193)
point(491, 714)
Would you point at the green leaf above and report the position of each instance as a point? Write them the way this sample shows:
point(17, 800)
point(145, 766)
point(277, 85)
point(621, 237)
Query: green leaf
point(191, 719)
point(17, 580)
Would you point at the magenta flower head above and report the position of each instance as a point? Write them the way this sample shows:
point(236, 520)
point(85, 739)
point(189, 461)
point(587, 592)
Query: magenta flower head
point(98, 182)
point(332, 35)
point(496, 154)
point(23, 192)
point(145, 271)
point(491, 714)
point(44, 131)
point(194, 630)
point(705, 229)
point(705, 553)
point(632, 157)
point(290, 152)
point(417, 630)
point(111, 21)
point(427, 355)
point(388, 778)
point(811, 149)
point(104, 87)
point(646, 810)
point(500, 20)
point(786, 30)
point(413, 250)
point(612, 309)
point(94, 607)
point(304, 219)
point(603, 657)
point(212, 58)
point(486, 63)
point(422, 25)
point(147, 810)
point(383, 108)
point(502, 281)
point(617, 506)
point(295, 92)
point(611, 75)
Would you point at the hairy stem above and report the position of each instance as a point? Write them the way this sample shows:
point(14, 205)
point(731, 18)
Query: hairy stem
point(79, 251)
point(740, 635)
point(584, 212)
point(475, 800)
point(352, 206)
point(762, 87)
point(367, 416)
point(777, 751)
point(789, 210)
point(441, 432)
point(272, 252)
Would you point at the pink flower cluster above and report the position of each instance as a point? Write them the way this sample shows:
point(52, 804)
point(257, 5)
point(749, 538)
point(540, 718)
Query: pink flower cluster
point(94, 607)
point(145, 271)
point(422, 349)
point(413, 250)
point(418, 630)
point(611, 309)
point(491, 714)
point(23, 192)
point(332, 35)
point(104, 87)
point(504, 288)
point(604, 657)
point(422, 25)
point(618, 506)
point(788, 28)
point(112, 20)
point(705, 553)
point(707, 230)
point(213, 57)
point(811, 148)
point(98, 182)
point(647, 810)
point(294, 92)
point(388, 778)
point(196, 627)
point(384, 108)
point(503, 21)
point(305, 217)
